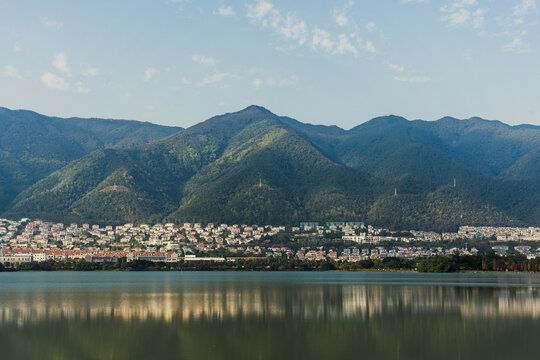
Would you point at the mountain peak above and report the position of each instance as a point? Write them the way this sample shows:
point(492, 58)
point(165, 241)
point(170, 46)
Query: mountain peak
point(256, 109)
point(389, 120)
point(472, 121)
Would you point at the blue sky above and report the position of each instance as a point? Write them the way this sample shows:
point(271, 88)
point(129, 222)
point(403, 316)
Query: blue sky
point(340, 62)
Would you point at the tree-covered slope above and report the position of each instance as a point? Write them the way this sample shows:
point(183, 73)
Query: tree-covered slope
point(270, 174)
point(255, 167)
point(33, 145)
point(210, 172)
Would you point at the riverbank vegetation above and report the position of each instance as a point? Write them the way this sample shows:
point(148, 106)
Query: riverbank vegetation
point(435, 264)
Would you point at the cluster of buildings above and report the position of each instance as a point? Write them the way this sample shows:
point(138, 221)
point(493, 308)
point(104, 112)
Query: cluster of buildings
point(34, 240)
point(500, 233)
point(528, 251)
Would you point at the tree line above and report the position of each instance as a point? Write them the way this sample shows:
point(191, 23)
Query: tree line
point(435, 264)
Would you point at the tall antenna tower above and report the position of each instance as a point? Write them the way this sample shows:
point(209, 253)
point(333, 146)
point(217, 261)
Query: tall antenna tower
point(454, 182)
point(260, 182)
point(395, 192)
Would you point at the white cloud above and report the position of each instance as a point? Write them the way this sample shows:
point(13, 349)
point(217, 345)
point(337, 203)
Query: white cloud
point(275, 81)
point(396, 67)
point(90, 71)
point(259, 11)
point(264, 14)
point(185, 81)
point(150, 107)
point(341, 15)
point(51, 24)
point(11, 71)
point(225, 11)
point(321, 39)
point(212, 79)
point(149, 74)
point(80, 88)
point(517, 45)
point(370, 26)
point(60, 63)
point(292, 29)
point(344, 45)
point(477, 19)
point(369, 47)
point(521, 10)
point(524, 7)
point(413, 79)
point(205, 60)
point(16, 48)
point(413, 1)
point(463, 12)
point(54, 82)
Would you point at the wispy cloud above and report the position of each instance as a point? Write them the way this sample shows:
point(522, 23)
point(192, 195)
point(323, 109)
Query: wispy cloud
point(517, 45)
point(406, 75)
point(463, 13)
point(16, 48)
point(213, 79)
point(51, 24)
point(288, 26)
point(341, 16)
point(515, 26)
point(257, 83)
point(348, 41)
point(370, 26)
point(345, 45)
point(522, 9)
point(225, 11)
point(396, 67)
point(60, 63)
point(413, 79)
point(90, 71)
point(321, 39)
point(275, 81)
point(12, 72)
point(79, 87)
point(205, 60)
point(149, 74)
point(369, 47)
point(259, 11)
point(54, 82)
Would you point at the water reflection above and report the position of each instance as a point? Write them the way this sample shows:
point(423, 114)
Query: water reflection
point(267, 316)
point(268, 300)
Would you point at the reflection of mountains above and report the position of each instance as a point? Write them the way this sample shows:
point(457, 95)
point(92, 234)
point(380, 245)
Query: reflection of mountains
point(348, 302)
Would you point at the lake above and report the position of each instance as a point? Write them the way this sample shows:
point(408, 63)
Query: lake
point(268, 315)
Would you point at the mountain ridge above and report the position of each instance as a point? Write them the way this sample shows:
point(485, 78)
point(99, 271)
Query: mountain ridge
point(211, 171)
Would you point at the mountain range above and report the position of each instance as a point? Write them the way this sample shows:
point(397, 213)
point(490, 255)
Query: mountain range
point(253, 166)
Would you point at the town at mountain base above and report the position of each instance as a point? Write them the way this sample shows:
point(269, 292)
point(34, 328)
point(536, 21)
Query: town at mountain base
point(255, 167)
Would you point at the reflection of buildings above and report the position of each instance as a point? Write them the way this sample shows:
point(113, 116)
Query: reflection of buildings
point(304, 302)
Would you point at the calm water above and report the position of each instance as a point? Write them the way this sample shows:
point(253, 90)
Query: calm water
point(226, 315)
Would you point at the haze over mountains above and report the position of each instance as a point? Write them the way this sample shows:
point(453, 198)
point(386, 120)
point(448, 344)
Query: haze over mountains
point(253, 166)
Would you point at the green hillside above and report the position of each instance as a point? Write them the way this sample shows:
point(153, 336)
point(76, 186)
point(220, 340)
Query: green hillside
point(269, 174)
point(255, 167)
point(33, 145)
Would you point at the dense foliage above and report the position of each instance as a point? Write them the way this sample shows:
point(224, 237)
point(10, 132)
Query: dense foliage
point(255, 167)
point(435, 264)
point(33, 145)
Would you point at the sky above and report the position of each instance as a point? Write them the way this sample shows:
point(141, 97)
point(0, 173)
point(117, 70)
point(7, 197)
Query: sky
point(179, 62)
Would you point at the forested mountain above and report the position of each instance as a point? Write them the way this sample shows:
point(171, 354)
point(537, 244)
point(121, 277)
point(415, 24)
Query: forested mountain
point(255, 167)
point(34, 145)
